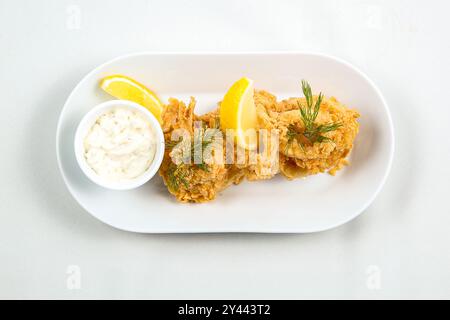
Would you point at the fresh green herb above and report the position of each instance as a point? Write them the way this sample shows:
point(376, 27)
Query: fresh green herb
point(202, 141)
point(171, 144)
point(177, 174)
point(312, 132)
point(196, 159)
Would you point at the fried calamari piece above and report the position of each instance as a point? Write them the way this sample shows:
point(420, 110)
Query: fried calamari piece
point(260, 164)
point(300, 158)
point(191, 180)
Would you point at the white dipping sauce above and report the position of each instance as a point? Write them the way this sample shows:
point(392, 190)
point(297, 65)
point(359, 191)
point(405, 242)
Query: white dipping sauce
point(120, 145)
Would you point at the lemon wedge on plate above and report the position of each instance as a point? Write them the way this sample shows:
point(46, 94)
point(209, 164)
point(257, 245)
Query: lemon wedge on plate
point(238, 112)
point(122, 87)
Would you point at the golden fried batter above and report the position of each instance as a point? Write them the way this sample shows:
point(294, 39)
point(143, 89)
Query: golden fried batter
point(192, 182)
point(200, 182)
point(299, 159)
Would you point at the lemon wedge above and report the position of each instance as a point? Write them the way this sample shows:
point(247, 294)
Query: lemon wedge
point(122, 87)
point(238, 112)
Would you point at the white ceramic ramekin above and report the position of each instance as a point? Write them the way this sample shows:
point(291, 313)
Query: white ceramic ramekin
point(83, 129)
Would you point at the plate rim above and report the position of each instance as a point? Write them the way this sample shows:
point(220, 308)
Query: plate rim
point(356, 213)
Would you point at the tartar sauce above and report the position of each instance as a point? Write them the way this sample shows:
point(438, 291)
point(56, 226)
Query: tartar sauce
point(120, 145)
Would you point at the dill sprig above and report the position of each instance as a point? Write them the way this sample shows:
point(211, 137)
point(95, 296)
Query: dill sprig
point(200, 143)
point(312, 132)
point(171, 144)
point(177, 173)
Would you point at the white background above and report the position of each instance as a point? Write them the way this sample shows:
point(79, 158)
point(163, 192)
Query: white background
point(399, 248)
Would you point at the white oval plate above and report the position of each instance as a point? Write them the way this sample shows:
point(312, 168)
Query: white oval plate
point(277, 206)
